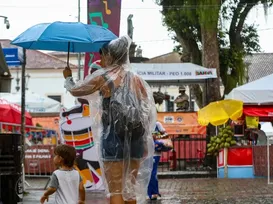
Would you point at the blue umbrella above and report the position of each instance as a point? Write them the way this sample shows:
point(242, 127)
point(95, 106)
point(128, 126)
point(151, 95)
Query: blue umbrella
point(64, 36)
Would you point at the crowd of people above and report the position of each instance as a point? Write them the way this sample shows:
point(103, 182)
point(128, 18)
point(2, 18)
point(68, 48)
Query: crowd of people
point(124, 128)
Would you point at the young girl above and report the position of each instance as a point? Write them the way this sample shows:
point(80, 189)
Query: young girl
point(66, 181)
point(153, 191)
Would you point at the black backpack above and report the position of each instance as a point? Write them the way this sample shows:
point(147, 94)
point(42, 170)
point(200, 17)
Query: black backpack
point(125, 112)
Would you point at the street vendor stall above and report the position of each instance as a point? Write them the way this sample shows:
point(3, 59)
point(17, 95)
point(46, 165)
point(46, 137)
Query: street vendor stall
point(230, 161)
point(258, 107)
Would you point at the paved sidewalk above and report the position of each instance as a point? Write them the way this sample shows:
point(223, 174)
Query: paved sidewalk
point(197, 191)
point(93, 198)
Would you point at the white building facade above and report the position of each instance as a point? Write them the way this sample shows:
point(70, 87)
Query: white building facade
point(47, 82)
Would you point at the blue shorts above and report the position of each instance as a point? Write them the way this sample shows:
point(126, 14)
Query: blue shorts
point(115, 149)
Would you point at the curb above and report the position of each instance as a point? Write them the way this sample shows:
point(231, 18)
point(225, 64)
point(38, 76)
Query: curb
point(187, 174)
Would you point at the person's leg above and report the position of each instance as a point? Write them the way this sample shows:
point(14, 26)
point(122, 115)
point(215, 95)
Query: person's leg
point(113, 174)
point(152, 183)
point(134, 167)
point(157, 159)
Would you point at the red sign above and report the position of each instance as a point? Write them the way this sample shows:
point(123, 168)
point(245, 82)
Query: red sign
point(240, 156)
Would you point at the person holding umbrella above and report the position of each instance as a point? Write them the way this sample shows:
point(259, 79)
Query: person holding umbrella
point(123, 116)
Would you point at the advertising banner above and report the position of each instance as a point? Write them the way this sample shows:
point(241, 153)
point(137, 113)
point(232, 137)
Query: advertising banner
point(172, 71)
point(179, 123)
point(39, 159)
point(105, 13)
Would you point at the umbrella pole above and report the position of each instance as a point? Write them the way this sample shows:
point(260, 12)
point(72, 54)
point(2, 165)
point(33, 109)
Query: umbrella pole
point(225, 162)
point(68, 54)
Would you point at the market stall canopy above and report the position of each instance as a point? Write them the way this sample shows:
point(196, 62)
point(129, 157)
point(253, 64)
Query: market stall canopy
point(11, 113)
point(34, 102)
point(219, 112)
point(265, 111)
point(256, 92)
point(171, 73)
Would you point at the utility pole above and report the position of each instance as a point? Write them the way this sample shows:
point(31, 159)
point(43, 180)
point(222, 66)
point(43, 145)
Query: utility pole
point(79, 54)
point(23, 99)
point(23, 121)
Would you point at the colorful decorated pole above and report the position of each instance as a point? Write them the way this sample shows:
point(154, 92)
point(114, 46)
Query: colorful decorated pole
point(107, 14)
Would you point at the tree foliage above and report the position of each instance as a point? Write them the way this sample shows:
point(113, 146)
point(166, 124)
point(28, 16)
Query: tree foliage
point(236, 39)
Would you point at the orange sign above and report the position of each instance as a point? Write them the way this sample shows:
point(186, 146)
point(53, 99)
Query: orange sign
point(179, 123)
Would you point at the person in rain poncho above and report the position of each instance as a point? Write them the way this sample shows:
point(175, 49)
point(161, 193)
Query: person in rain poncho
point(123, 118)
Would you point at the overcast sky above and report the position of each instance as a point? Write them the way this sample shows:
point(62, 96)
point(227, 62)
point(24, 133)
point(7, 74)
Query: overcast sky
point(149, 31)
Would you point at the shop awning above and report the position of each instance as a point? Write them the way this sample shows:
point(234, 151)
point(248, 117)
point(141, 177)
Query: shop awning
point(173, 73)
point(258, 111)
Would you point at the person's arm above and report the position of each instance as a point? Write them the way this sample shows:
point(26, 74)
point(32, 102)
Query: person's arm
point(178, 99)
point(185, 97)
point(53, 185)
point(81, 192)
point(84, 88)
point(160, 128)
point(48, 192)
point(89, 85)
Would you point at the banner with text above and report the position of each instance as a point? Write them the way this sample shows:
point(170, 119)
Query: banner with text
point(177, 123)
point(39, 159)
point(105, 13)
point(172, 71)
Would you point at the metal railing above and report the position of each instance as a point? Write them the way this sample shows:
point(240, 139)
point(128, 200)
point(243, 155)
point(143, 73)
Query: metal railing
point(190, 154)
point(40, 144)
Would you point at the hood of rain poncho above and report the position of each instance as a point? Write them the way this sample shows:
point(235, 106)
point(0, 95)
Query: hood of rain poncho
point(116, 82)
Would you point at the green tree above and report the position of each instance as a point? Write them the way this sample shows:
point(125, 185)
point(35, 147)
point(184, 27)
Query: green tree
point(200, 28)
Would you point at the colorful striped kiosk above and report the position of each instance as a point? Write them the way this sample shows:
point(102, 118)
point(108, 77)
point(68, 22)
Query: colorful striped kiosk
point(235, 162)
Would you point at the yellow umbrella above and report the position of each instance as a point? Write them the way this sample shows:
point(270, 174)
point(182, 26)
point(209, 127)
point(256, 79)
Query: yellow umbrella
point(219, 112)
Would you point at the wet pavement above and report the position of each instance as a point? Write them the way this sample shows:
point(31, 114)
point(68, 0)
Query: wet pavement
point(195, 191)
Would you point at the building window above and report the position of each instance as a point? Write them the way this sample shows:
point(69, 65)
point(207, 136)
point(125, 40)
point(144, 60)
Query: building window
point(56, 97)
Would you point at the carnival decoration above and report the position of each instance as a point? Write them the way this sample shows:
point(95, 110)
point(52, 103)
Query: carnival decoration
point(75, 125)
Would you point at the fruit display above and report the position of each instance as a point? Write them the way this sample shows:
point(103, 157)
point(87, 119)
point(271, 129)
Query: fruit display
point(224, 139)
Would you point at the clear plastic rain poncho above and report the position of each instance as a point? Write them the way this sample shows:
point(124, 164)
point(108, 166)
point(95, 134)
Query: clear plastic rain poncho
point(123, 117)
